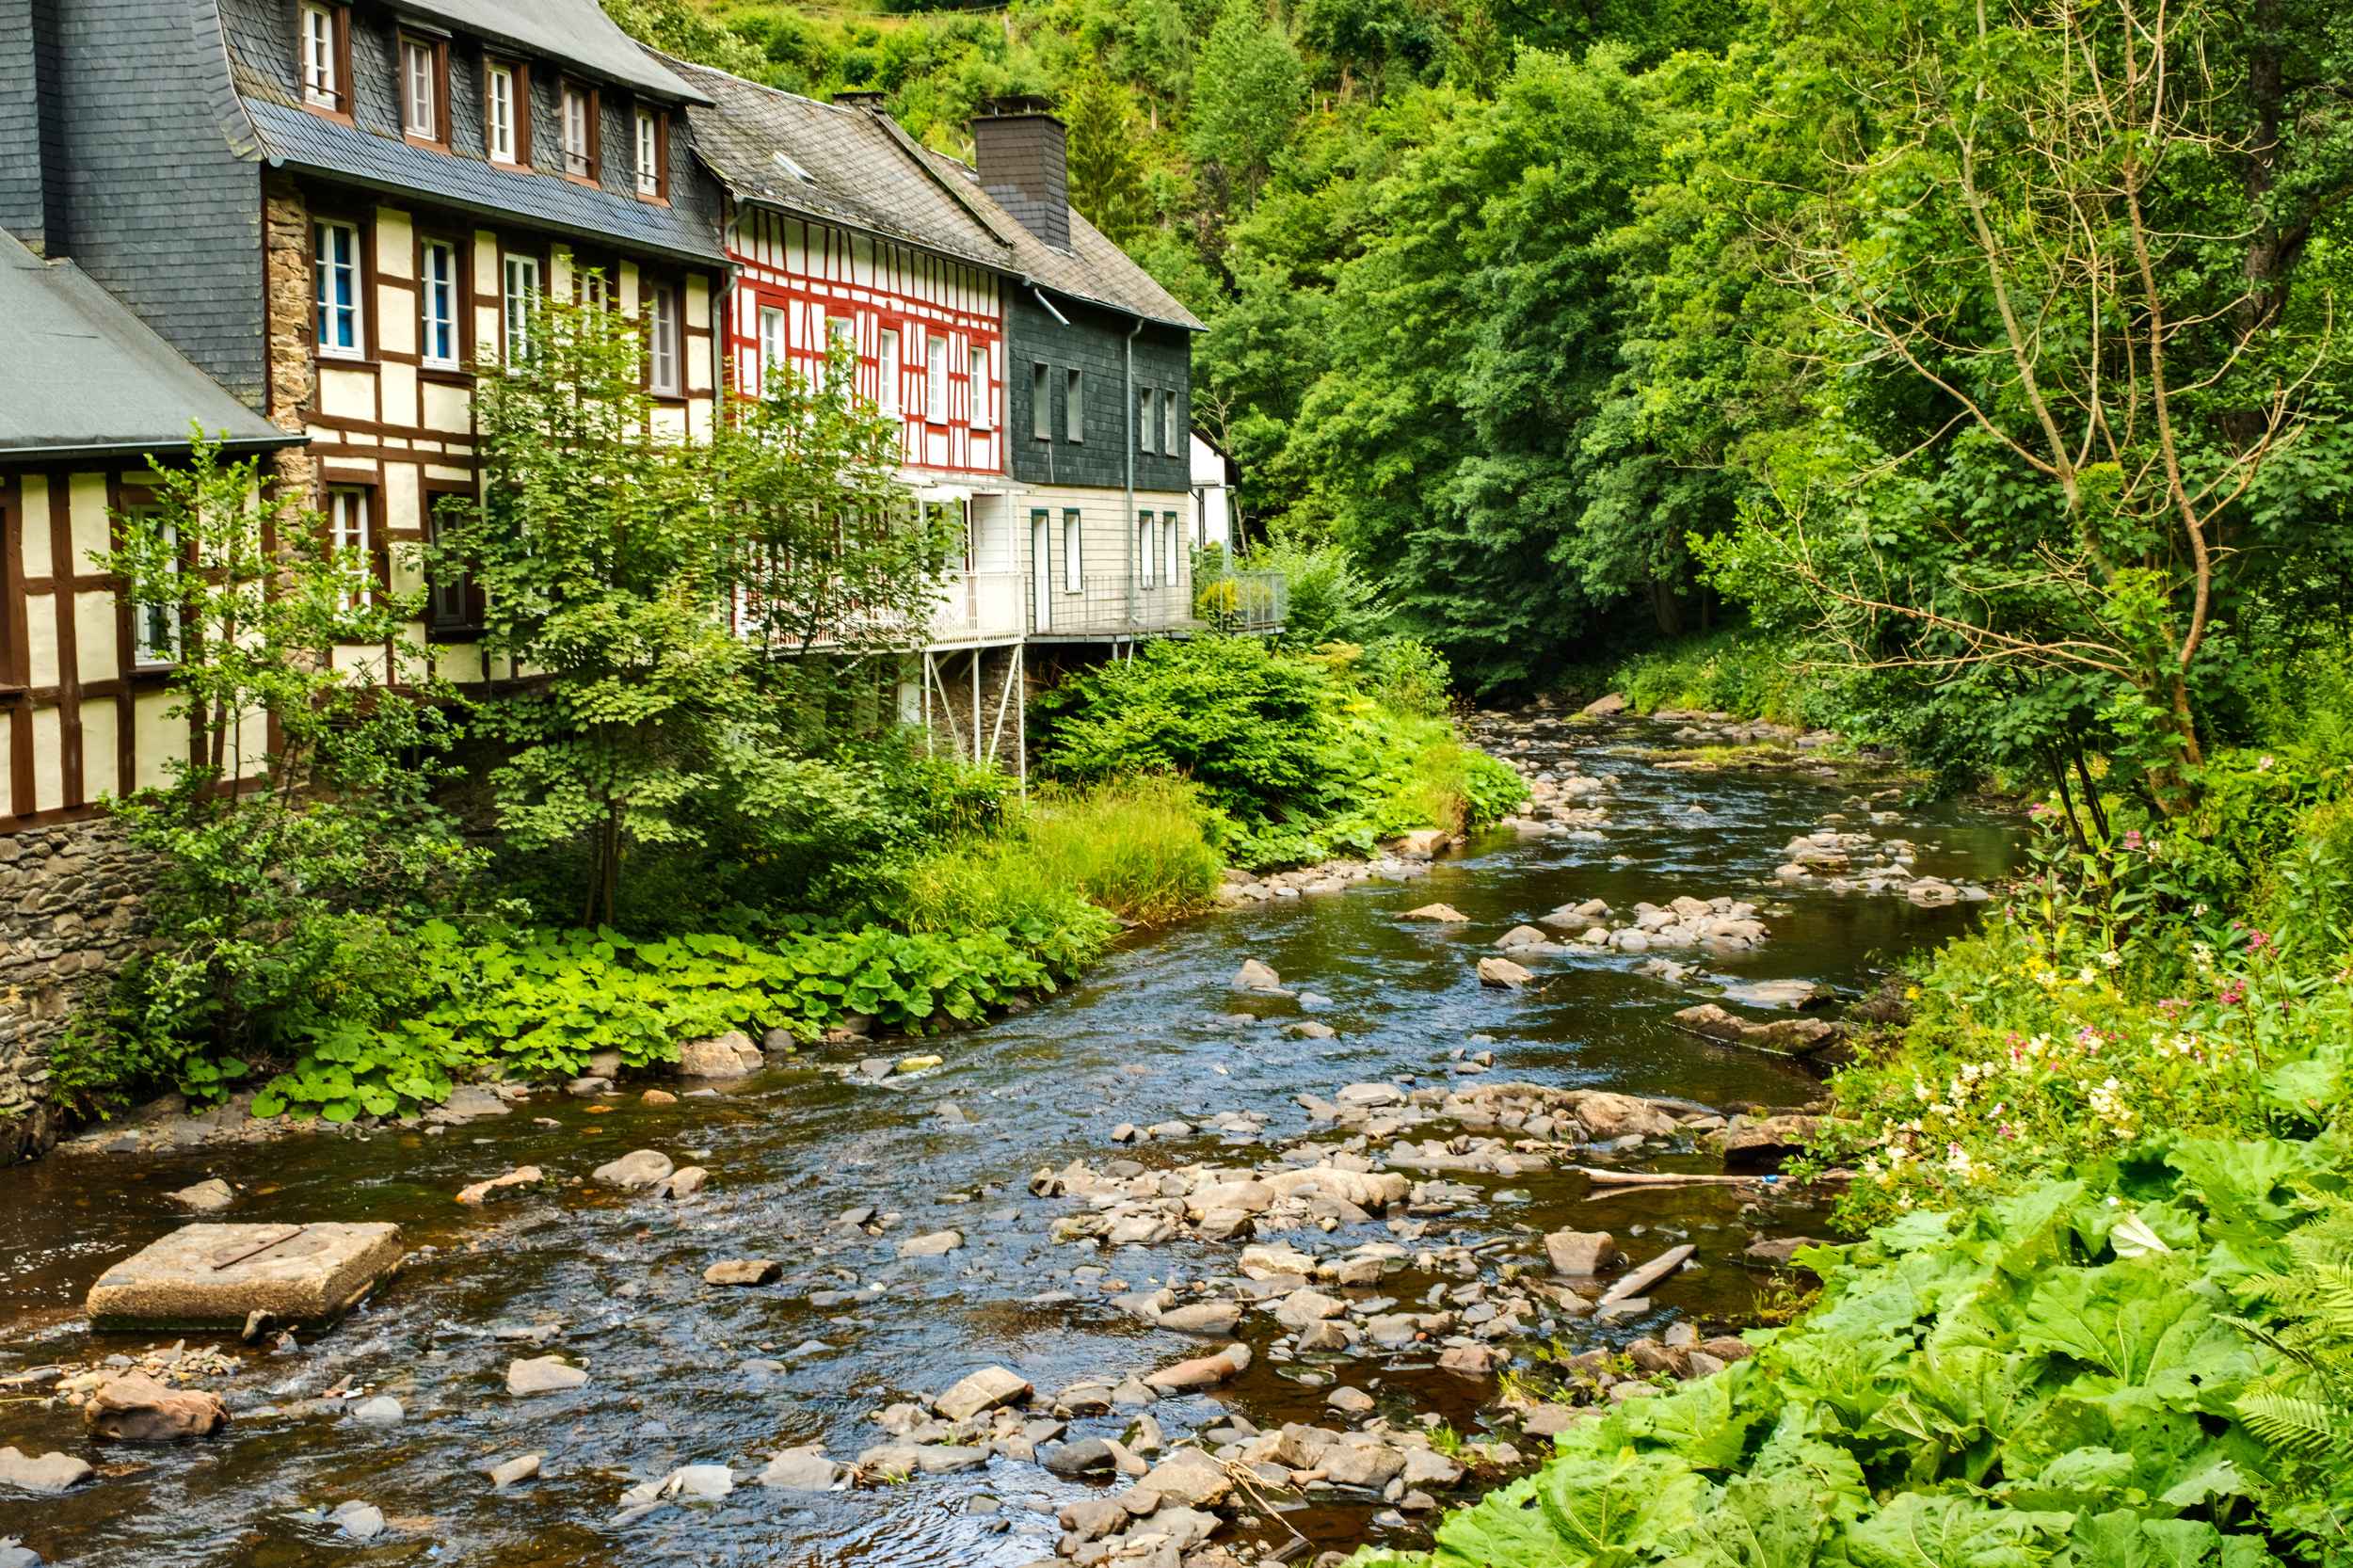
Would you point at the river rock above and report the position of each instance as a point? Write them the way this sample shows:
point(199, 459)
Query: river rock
point(1445, 913)
point(1190, 1477)
point(729, 1055)
point(1781, 1251)
point(521, 1176)
point(1551, 1421)
point(136, 1408)
point(1212, 1317)
point(205, 1197)
point(1371, 1094)
point(542, 1375)
point(217, 1276)
point(637, 1168)
point(657, 1097)
point(940, 1244)
point(1581, 1252)
point(1502, 974)
point(1083, 1457)
point(1475, 1361)
point(742, 1270)
point(1603, 707)
point(49, 1475)
point(1606, 1115)
point(800, 1471)
point(682, 1184)
point(1371, 1465)
point(1205, 1371)
point(1427, 1468)
point(1255, 976)
point(1349, 1402)
point(382, 1411)
point(1766, 1143)
point(1521, 937)
point(985, 1389)
point(1224, 1224)
point(1302, 1307)
point(358, 1520)
point(589, 1087)
point(521, 1468)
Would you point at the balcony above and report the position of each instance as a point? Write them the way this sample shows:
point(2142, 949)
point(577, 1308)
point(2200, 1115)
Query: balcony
point(1243, 601)
point(976, 609)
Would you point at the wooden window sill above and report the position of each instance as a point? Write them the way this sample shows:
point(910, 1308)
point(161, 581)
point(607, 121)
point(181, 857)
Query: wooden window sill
point(340, 117)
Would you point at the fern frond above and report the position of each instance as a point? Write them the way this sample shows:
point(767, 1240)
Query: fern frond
point(2297, 1429)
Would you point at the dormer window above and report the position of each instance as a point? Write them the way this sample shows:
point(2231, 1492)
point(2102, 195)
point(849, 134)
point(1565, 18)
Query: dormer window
point(324, 44)
point(423, 70)
point(507, 113)
point(580, 132)
point(653, 139)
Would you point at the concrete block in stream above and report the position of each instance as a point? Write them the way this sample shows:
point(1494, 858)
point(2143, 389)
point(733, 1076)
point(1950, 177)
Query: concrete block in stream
point(214, 1277)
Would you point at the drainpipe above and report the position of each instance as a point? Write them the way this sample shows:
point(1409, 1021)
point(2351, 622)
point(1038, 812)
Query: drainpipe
point(1128, 519)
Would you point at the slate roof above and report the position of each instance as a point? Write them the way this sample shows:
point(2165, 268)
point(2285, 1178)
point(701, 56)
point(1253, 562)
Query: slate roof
point(868, 173)
point(577, 31)
point(91, 378)
point(372, 153)
point(472, 184)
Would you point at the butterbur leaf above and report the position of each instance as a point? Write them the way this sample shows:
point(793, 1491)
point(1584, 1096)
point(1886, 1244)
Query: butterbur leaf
point(2132, 1238)
point(1596, 1506)
point(1921, 1529)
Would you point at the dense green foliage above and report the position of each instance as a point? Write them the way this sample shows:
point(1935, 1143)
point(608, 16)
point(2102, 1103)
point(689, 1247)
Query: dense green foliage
point(2052, 1378)
point(1300, 755)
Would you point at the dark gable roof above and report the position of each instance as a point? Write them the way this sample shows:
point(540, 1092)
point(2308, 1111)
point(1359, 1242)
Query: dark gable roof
point(90, 379)
point(374, 154)
point(867, 173)
point(575, 31)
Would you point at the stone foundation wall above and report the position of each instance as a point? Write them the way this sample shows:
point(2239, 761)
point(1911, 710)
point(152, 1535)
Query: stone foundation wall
point(72, 910)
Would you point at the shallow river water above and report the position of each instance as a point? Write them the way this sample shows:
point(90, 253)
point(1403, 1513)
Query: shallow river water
point(617, 1283)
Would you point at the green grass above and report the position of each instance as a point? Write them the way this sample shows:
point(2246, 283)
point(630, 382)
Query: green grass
point(1140, 848)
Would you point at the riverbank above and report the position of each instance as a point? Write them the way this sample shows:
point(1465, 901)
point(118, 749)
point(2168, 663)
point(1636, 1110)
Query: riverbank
point(828, 1170)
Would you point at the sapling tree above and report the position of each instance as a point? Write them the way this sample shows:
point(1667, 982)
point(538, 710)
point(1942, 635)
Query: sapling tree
point(301, 799)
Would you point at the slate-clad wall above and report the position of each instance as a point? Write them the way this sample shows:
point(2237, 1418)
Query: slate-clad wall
point(29, 151)
point(1094, 343)
point(159, 207)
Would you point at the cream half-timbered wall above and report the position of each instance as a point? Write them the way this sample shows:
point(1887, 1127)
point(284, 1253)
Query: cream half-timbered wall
point(392, 433)
point(797, 276)
point(86, 718)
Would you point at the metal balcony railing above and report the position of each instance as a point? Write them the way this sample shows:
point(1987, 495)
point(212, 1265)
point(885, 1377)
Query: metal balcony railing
point(1242, 601)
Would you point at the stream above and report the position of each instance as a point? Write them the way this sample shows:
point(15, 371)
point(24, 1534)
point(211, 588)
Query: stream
point(686, 1373)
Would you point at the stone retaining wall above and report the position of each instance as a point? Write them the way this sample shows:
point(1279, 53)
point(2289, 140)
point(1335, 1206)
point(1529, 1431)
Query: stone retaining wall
point(70, 911)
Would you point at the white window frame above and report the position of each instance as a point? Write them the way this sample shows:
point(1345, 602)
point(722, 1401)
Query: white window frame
point(1171, 431)
point(348, 533)
point(498, 130)
point(1041, 403)
point(438, 305)
point(321, 88)
point(979, 398)
point(775, 347)
point(155, 624)
point(1144, 549)
point(420, 99)
point(1144, 419)
point(648, 155)
point(935, 378)
point(1173, 543)
point(661, 341)
point(519, 297)
point(1073, 406)
point(339, 283)
point(1041, 570)
point(1073, 551)
point(890, 400)
point(579, 133)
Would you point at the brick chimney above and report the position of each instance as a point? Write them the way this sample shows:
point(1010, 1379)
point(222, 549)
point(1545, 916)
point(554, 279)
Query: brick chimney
point(1024, 163)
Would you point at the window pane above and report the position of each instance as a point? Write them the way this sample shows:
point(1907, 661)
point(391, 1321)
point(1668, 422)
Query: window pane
point(1173, 540)
point(501, 130)
point(1074, 410)
point(417, 94)
point(522, 287)
point(1170, 431)
point(935, 378)
point(649, 156)
point(318, 56)
point(1072, 579)
point(1041, 403)
point(978, 390)
point(1144, 547)
point(336, 263)
point(440, 304)
point(347, 537)
point(888, 401)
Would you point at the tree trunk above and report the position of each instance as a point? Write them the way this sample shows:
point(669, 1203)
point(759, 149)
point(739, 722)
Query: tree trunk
point(1665, 607)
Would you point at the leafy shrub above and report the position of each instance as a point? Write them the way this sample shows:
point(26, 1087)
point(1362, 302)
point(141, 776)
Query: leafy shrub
point(1735, 671)
point(539, 1003)
point(2049, 1378)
